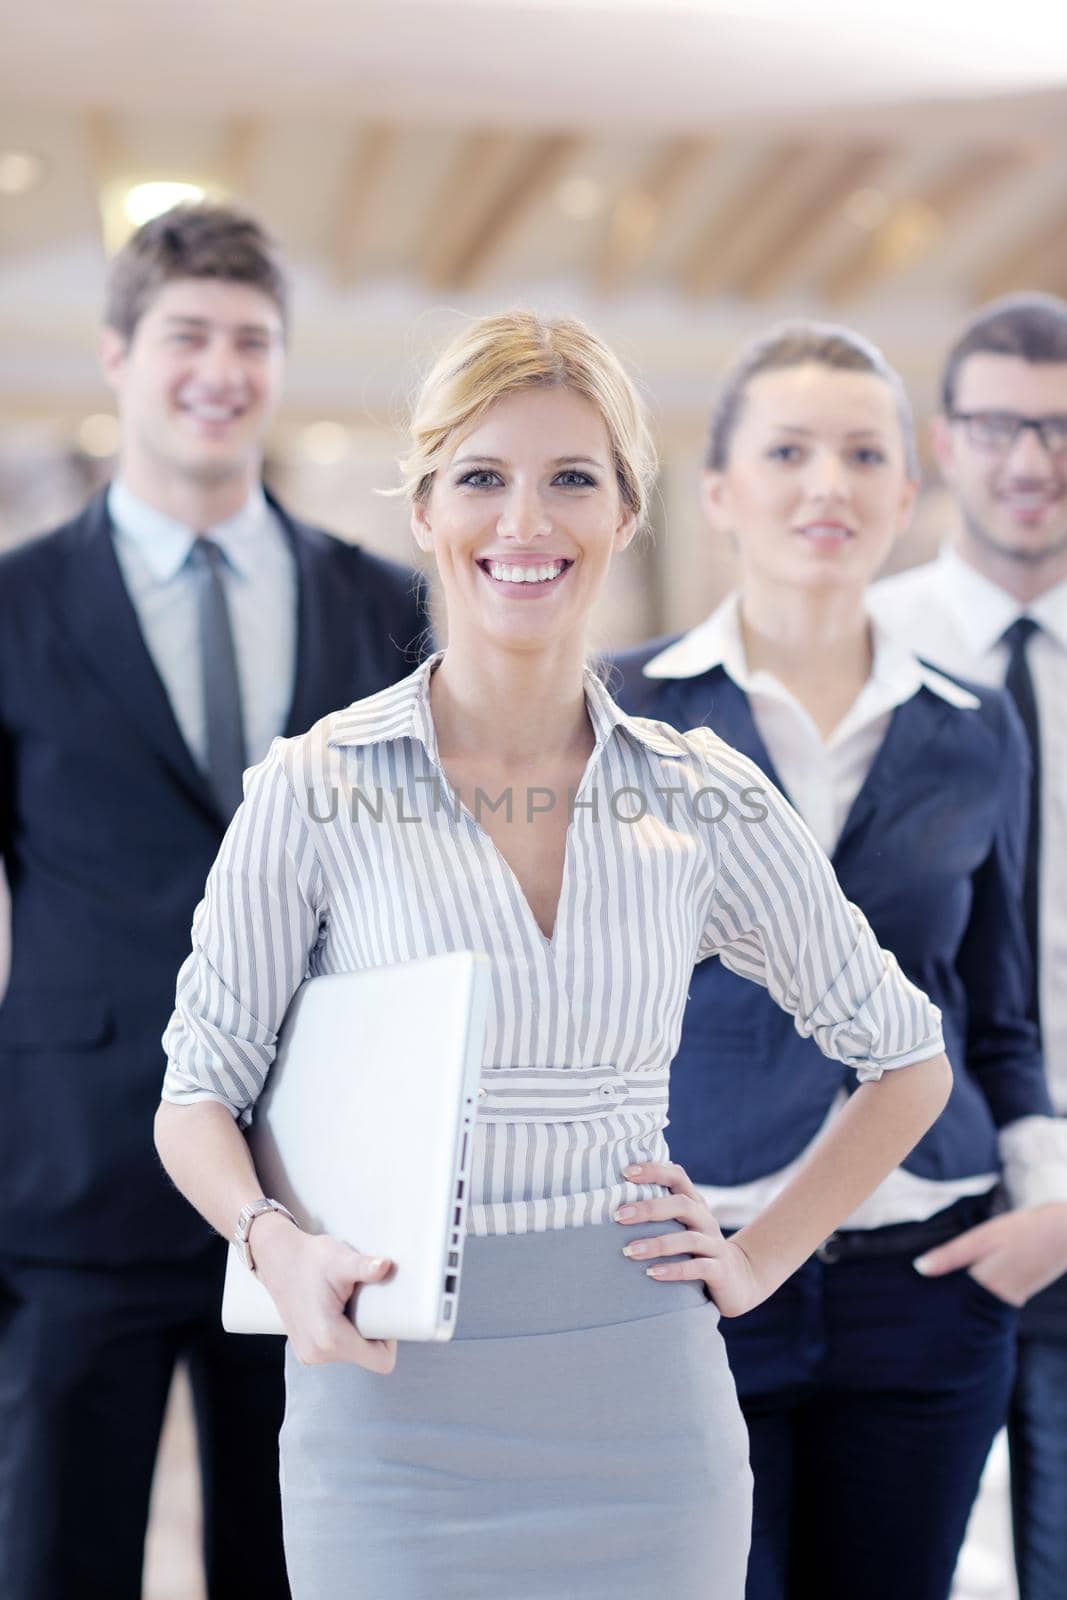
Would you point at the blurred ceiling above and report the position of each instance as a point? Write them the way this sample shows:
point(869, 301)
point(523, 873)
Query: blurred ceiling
point(679, 170)
point(663, 64)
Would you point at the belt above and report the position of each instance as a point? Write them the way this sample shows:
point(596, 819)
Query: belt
point(908, 1238)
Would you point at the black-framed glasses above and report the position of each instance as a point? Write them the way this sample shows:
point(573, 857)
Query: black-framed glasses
point(996, 432)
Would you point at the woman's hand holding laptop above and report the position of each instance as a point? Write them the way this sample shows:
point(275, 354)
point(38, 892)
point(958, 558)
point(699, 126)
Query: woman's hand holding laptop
point(311, 1279)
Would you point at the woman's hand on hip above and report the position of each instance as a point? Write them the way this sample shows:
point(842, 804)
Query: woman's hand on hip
point(720, 1264)
point(311, 1279)
point(1013, 1256)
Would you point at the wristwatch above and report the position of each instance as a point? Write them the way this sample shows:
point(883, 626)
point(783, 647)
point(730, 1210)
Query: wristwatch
point(249, 1213)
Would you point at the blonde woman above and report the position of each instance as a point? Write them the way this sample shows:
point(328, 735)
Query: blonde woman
point(581, 1433)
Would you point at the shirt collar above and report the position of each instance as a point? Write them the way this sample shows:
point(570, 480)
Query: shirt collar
point(164, 543)
point(983, 610)
point(403, 711)
point(715, 642)
point(1050, 610)
point(896, 673)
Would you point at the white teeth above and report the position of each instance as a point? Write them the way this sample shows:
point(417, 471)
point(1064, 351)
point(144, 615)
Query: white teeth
point(213, 413)
point(502, 572)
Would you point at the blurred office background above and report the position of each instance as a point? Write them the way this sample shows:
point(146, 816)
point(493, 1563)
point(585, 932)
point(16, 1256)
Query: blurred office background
point(680, 172)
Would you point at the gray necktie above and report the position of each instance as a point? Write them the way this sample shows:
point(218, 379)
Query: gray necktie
point(222, 692)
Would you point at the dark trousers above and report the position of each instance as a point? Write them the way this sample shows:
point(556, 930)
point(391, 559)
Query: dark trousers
point(86, 1360)
point(1037, 1436)
point(872, 1396)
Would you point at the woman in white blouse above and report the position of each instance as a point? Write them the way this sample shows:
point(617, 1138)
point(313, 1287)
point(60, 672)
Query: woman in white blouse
point(580, 1433)
point(872, 1390)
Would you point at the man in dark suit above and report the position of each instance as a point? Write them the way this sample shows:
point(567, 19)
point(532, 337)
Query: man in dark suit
point(149, 650)
point(993, 606)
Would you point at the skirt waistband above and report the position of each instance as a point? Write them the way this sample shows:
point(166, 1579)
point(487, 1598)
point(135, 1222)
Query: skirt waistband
point(564, 1279)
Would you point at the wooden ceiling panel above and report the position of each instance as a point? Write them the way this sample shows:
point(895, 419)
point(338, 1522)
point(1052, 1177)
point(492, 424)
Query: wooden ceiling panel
point(1039, 261)
point(725, 240)
point(643, 207)
point(366, 169)
point(237, 158)
point(780, 222)
point(477, 211)
point(557, 239)
point(454, 212)
point(916, 222)
point(780, 257)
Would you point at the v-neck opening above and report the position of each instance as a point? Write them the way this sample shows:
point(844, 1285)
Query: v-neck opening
point(460, 808)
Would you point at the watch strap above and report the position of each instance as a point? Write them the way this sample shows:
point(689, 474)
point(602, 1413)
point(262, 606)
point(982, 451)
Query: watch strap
point(248, 1215)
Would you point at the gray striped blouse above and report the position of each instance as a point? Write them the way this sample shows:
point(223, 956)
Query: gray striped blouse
point(350, 851)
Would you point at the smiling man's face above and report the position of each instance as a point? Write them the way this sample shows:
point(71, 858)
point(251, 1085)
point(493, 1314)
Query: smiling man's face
point(1012, 497)
point(199, 380)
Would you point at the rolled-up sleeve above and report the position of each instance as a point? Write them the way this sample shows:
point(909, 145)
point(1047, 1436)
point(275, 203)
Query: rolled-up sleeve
point(253, 934)
point(779, 917)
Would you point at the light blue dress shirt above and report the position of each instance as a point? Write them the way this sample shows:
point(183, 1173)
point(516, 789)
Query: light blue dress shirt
point(261, 592)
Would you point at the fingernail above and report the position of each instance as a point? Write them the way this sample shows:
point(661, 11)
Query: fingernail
point(921, 1264)
point(376, 1263)
point(632, 1172)
point(624, 1214)
point(641, 1248)
point(656, 1272)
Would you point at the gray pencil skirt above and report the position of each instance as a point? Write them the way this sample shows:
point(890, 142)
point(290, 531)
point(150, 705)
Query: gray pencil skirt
point(579, 1439)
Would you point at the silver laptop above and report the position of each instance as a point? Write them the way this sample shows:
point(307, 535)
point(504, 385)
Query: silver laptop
point(364, 1131)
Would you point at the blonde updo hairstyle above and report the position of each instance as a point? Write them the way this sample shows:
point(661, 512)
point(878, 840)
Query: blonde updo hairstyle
point(502, 355)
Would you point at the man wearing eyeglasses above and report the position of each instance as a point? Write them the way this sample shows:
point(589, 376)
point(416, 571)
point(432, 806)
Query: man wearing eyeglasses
point(993, 607)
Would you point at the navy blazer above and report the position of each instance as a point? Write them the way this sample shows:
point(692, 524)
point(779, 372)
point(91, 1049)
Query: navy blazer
point(932, 852)
point(108, 829)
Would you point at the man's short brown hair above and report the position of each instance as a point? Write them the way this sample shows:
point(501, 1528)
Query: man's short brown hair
point(191, 241)
point(1031, 326)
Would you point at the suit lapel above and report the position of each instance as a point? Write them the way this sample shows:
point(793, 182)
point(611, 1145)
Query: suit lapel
point(325, 636)
point(713, 700)
point(911, 726)
point(100, 620)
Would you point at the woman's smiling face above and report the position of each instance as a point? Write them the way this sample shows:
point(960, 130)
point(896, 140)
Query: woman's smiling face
point(816, 486)
point(522, 519)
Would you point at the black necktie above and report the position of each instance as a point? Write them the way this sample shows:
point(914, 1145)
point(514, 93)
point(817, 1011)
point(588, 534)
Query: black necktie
point(222, 694)
point(1020, 685)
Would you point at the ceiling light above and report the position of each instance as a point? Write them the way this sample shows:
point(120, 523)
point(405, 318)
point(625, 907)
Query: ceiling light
point(909, 233)
point(144, 201)
point(98, 435)
point(20, 171)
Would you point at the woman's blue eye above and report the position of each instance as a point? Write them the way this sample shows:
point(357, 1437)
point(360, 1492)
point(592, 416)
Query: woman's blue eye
point(478, 478)
point(575, 479)
point(870, 456)
point(784, 452)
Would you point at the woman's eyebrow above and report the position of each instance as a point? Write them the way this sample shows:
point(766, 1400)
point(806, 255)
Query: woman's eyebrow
point(853, 433)
point(498, 461)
